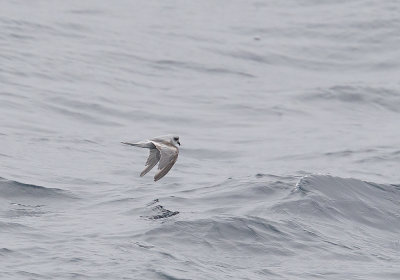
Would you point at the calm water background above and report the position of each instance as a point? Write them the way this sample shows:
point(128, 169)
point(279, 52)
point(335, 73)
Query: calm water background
point(277, 103)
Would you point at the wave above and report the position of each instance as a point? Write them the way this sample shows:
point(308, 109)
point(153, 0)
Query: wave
point(27, 200)
point(14, 189)
point(364, 203)
point(340, 215)
point(377, 97)
point(321, 219)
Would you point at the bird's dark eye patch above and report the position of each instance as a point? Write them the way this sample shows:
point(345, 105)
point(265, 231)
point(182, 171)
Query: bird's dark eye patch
point(176, 138)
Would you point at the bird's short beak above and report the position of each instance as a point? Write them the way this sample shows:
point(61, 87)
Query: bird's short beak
point(178, 143)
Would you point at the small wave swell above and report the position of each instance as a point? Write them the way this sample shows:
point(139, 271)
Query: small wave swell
point(339, 199)
point(14, 189)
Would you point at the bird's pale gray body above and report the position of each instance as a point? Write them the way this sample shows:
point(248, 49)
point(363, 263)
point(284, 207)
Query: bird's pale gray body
point(163, 150)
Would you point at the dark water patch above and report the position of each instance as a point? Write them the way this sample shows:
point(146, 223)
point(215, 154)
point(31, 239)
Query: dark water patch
point(169, 276)
point(164, 213)
point(5, 156)
point(27, 206)
point(338, 244)
point(5, 252)
point(21, 210)
point(348, 152)
point(20, 37)
point(152, 211)
point(144, 246)
point(161, 213)
point(153, 202)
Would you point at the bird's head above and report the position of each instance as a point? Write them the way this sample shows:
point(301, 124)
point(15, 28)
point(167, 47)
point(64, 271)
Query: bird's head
point(175, 140)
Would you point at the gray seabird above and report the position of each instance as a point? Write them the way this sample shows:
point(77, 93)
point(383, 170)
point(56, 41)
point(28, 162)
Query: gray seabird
point(163, 149)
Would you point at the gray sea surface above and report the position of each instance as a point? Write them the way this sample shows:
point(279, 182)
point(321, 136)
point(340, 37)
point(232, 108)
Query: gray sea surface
point(288, 114)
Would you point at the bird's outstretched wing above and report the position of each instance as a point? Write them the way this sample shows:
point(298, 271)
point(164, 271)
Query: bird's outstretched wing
point(169, 155)
point(154, 157)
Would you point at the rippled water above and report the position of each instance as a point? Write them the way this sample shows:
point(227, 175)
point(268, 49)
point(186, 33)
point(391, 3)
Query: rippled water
point(288, 114)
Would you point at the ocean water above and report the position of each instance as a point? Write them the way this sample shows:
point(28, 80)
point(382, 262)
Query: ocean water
point(288, 114)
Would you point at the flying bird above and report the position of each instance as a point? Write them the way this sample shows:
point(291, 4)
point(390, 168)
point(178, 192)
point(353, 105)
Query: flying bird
point(163, 149)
